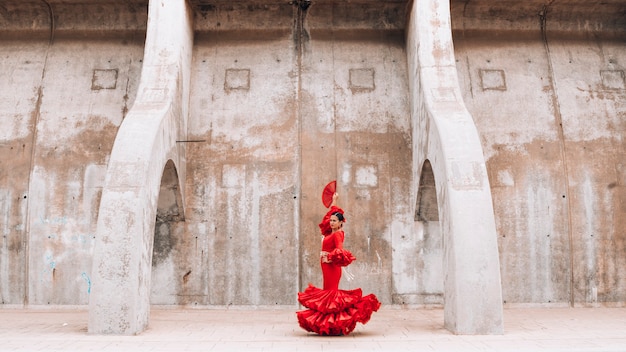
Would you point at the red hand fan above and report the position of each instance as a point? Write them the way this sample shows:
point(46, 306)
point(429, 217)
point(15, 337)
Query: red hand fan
point(328, 192)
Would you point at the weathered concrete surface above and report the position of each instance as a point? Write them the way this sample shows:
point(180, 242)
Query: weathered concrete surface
point(64, 95)
point(84, 19)
point(545, 85)
point(356, 129)
point(284, 98)
point(242, 207)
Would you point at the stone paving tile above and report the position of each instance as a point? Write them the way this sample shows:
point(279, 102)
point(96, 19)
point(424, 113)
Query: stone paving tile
point(391, 329)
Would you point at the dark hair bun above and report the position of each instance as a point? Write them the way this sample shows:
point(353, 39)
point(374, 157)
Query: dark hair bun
point(339, 216)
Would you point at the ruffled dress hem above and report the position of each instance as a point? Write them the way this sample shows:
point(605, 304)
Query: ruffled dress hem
point(334, 312)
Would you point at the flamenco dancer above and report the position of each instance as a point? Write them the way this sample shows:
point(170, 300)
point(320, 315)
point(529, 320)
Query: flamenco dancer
point(332, 311)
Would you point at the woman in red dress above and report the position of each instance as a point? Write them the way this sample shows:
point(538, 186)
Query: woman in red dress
point(332, 311)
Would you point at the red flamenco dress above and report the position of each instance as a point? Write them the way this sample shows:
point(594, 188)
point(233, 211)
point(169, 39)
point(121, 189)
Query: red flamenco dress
point(332, 311)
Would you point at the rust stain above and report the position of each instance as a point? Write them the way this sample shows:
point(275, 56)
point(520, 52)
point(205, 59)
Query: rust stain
point(186, 277)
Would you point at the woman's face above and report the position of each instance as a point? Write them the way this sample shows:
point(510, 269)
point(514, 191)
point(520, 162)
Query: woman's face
point(335, 224)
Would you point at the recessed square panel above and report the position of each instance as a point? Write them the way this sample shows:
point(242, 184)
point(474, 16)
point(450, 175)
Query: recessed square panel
point(362, 79)
point(613, 79)
point(104, 79)
point(237, 79)
point(492, 79)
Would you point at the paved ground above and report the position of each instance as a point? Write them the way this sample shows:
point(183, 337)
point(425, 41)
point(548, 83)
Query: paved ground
point(526, 329)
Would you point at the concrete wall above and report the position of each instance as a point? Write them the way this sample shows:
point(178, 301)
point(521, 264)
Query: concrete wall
point(66, 86)
point(283, 100)
point(239, 243)
point(267, 132)
point(545, 85)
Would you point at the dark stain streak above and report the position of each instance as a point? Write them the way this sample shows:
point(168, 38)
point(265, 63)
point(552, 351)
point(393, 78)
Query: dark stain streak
point(186, 277)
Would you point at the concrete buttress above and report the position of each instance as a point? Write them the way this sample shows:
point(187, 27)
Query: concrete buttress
point(145, 146)
point(445, 137)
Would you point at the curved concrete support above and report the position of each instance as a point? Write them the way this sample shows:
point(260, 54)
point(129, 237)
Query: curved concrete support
point(444, 134)
point(146, 140)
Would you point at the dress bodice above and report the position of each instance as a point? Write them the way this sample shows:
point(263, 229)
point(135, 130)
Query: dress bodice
point(332, 241)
